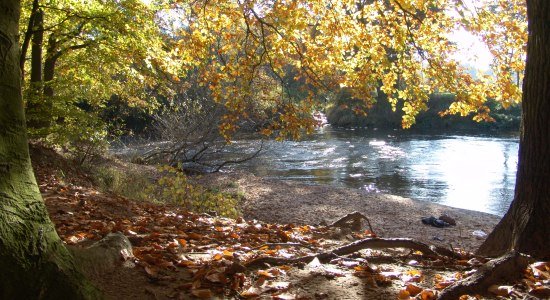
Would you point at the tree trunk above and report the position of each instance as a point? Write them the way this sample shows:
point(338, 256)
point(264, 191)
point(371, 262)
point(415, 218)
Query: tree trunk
point(27, 38)
point(36, 117)
point(526, 225)
point(52, 54)
point(34, 263)
point(36, 48)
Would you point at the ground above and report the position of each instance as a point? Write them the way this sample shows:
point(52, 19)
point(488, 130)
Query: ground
point(181, 255)
point(389, 215)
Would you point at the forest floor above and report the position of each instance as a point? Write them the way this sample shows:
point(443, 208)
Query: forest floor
point(179, 254)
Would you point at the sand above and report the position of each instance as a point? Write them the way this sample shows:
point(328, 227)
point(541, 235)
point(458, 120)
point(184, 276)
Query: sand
point(279, 201)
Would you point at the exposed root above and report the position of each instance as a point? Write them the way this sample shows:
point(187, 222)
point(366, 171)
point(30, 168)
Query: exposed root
point(272, 245)
point(504, 268)
point(352, 221)
point(372, 243)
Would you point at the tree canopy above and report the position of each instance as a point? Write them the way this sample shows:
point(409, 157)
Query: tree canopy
point(401, 47)
point(272, 60)
point(92, 51)
point(238, 51)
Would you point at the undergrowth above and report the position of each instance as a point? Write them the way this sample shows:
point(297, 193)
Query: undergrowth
point(173, 186)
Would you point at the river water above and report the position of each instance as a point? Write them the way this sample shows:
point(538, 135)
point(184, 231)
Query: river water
point(465, 171)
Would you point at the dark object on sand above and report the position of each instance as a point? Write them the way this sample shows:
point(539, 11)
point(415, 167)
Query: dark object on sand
point(435, 222)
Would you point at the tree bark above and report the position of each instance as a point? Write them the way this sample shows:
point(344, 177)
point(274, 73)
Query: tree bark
point(27, 38)
point(526, 225)
point(36, 48)
point(35, 101)
point(34, 263)
point(52, 54)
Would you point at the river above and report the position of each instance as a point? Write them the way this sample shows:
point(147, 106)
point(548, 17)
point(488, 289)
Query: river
point(475, 172)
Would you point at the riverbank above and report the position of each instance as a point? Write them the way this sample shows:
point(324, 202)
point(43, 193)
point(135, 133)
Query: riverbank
point(85, 212)
point(279, 201)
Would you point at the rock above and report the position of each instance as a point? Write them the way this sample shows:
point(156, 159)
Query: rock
point(448, 219)
point(114, 250)
point(479, 234)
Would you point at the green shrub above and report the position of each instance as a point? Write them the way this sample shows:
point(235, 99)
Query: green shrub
point(178, 188)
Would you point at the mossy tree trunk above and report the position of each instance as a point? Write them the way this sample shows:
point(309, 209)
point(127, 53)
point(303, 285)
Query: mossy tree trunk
point(34, 264)
point(526, 225)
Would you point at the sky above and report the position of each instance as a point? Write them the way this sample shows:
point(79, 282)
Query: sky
point(471, 50)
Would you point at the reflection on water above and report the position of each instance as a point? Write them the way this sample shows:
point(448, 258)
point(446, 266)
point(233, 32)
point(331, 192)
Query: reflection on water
point(472, 172)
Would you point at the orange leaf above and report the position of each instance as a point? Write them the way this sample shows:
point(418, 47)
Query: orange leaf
point(403, 294)
point(227, 254)
point(202, 293)
point(427, 295)
point(265, 274)
point(195, 236)
point(413, 289)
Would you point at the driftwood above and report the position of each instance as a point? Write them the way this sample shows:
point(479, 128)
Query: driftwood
point(372, 243)
point(504, 268)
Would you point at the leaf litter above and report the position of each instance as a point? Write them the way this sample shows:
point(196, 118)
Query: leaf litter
point(215, 252)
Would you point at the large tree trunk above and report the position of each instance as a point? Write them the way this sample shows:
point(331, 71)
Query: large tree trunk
point(34, 264)
point(526, 225)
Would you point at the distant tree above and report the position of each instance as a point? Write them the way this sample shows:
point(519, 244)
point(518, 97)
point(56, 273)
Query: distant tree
point(82, 53)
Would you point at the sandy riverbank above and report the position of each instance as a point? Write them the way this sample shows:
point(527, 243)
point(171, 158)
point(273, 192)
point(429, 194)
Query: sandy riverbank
point(390, 216)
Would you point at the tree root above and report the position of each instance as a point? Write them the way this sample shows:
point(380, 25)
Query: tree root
point(504, 268)
point(372, 243)
point(272, 245)
point(352, 221)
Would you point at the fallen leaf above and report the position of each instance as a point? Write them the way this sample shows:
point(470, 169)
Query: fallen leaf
point(216, 277)
point(251, 292)
point(284, 296)
point(227, 254)
point(265, 274)
point(403, 295)
point(500, 290)
point(412, 275)
point(152, 271)
point(195, 236)
point(202, 293)
point(427, 295)
point(391, 274)
point(382, 280)
point(413, 289)
point(278, 285)
point(540, 292)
